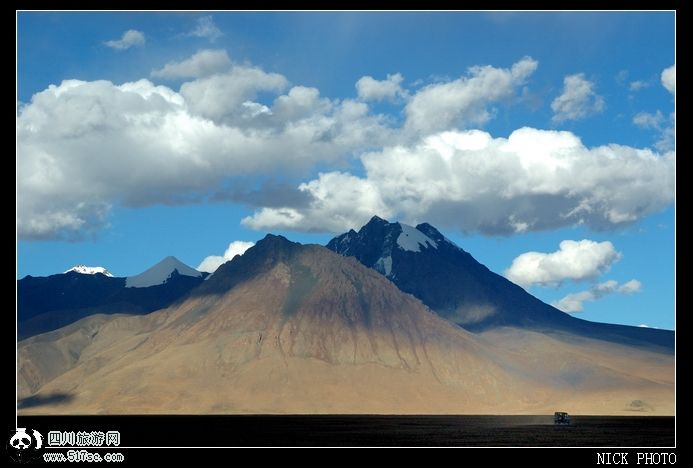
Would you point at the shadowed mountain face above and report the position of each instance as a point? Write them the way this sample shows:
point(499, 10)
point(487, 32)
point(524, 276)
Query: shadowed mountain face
point(48, 303)
point(287, 328)
point(422, 262)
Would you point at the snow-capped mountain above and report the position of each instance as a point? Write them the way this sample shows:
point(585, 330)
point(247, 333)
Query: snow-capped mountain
point(45, 303)
point(279, 328)
point(376, 243)
point(160, 273)
point(422, 262)
point(87, 270)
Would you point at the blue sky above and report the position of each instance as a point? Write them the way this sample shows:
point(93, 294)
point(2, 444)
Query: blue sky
point(142, 135)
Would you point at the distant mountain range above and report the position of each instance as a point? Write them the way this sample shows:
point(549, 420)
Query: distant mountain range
point(48, 303)
point(422, 262)
point(291, 328)
point(287, 328)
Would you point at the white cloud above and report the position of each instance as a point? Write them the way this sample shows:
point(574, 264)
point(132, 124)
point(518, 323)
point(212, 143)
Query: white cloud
point(647, 120)
point(578, 99)
point(370, 89)
point(638, 85)
point(574, 302)
point(220, 97)
point(574, 260)
point(338, 199)
point(667, 136)
point(669, 79)
point(88, 146)
point(533, 180)
point(203, 63)
point(206, 28)
point(630, 287)
point(465, 101)
point(666, 140)
point(211, 263)
point(299, 103)
point(85, 147)
point(130, 38)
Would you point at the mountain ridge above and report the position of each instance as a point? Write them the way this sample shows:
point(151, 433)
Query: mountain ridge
point(288, 328)
point(50, 302)
point(455, 285)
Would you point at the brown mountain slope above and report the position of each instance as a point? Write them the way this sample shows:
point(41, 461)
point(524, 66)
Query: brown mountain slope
point(298, 329)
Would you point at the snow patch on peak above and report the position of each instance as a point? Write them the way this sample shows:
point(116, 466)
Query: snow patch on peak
point(384, 265)
point(160, 273)
point(87, 270)
point(412, 239)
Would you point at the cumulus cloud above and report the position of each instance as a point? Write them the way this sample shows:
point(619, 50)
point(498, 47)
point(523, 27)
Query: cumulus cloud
point(665, 128)
point(130, 38)
point(299, 103)
point(669, 79)
point(532, 180)
point(220, 97)
point(206, 28)
point(574, 302)
point(667, 136)
point(370, 89)
point(85, 147)
point(211, 263)
point(577, 101)
point(336, 200)
point(203, 63)
point(638, 85)
point(574, 260)
point(630, 287)
point(465, 101)
point(648, 120)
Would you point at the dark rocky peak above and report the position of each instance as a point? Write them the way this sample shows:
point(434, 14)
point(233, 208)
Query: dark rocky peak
point(431, 232)
point(264, 255)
